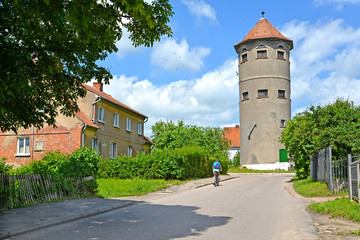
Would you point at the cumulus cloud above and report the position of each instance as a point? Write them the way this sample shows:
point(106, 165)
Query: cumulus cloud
point(324, 62)
point(200, 9)
point(211, 100)
point(173, 56)
point(125, 45)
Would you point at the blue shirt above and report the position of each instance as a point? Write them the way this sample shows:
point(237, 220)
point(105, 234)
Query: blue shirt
point(216, 165)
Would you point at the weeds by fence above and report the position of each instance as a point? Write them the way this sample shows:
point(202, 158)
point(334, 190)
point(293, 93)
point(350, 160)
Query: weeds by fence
point(23, 190)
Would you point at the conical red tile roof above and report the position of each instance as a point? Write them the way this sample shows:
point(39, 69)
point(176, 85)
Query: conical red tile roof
point(264, 29)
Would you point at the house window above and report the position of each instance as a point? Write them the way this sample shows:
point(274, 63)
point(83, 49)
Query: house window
point(94, 144)
point(261, 54)
point(282, 123)
point(129, 151)
point(116, 120)
point(281, 93)
point(244, 57)
point(128, 124)
point(101, 114)
point(280, 54)
point(245, 95)
point(262, 93)
point(23, 146)
point(140, 126)
point(113, 150)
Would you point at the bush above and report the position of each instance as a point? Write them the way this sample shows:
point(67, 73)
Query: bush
point(4, 168)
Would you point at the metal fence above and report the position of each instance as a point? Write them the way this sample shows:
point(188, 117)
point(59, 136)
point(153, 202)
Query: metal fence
point(23, 190)
point(341, 175)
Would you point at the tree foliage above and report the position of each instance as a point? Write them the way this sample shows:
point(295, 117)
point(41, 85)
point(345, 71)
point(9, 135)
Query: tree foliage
point(49, 48)
point(336, 124)
point(168, 135)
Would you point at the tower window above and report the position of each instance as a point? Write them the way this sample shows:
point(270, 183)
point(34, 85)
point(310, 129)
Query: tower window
point(245, 95)
point(280, 54)
point(244, 57)
point(262, 93)
point(282, 123)
point(261, 54)
point(244, 50)
point(281, 93)
point(261, 46)
point(280, 47)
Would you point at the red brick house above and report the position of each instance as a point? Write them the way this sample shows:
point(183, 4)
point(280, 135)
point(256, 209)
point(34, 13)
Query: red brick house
point(103, 123)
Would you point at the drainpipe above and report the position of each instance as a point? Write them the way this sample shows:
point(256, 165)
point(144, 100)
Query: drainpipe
point(252, 128)
point(92, 108)
point(83, 136)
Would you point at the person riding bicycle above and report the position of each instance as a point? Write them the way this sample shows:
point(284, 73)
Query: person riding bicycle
point(216, 167)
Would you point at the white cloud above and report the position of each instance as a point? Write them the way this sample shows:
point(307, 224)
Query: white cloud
point(125, 46)
point(200, 9)
point(173, 56)
point(211, 100)
point(324, 62)
point(338, 3)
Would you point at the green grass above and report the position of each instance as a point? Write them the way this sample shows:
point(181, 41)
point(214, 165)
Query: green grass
point(310, 188)
point(341, 207)
point(111, 187)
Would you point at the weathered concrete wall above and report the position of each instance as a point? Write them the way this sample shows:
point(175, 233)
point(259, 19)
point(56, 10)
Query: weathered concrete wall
point(271, 73)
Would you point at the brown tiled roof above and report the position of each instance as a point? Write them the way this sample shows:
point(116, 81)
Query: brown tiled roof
point(264, 29)
point(232, 134)
point(147, 140)
point(111, 99)
point(82, 117)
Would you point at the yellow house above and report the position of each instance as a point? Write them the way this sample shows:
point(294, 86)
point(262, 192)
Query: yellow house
point(120, 129)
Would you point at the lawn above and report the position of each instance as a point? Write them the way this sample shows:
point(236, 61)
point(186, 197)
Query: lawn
point(112, 187)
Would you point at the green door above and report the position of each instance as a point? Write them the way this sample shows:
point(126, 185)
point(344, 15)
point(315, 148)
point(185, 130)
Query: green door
point(283, 156)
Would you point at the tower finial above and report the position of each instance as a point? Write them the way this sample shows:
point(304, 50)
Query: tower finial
point(263, 13)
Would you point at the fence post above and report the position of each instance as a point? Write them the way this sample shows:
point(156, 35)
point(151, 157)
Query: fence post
point(331, 172)
point(350, 177)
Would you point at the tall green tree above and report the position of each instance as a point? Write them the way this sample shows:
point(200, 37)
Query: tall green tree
point(169, 135)
point(49, 48)
point(336, 124)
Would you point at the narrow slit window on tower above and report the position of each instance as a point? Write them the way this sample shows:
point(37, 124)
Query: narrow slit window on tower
point(280, 55)
point(282, 123)
point(244, 58)
point(245, 95)
point(261, 54)
point(281, 93)
point(262, 93)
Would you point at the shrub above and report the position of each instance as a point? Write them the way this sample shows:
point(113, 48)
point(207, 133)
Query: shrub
point(4, 168)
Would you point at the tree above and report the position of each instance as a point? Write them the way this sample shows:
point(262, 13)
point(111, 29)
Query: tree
point(49, 48)
point(336, 124)
point(168, 135)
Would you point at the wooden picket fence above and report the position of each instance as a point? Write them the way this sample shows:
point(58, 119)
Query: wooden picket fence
point(24, 190)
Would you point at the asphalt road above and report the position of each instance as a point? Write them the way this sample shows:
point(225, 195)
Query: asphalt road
point(255, 207)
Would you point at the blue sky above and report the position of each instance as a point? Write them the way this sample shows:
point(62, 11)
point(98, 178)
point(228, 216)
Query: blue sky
point(192, 75)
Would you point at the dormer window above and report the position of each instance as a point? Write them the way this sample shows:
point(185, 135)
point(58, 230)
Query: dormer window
point(261, 46)
point(281, 47)
point(244, 50)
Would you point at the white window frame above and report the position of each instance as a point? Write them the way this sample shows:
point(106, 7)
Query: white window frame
point(128, 124)
point(130, 151)
point(116, 120)
point(113, 150)
point(94, 144)
point(140, 128)
point(101, 114)
point(25, 151)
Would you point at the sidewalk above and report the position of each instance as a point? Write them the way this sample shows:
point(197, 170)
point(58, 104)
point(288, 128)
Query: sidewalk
point(22, 220)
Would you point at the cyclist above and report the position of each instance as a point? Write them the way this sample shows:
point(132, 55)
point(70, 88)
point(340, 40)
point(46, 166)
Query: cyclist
point(216, 167)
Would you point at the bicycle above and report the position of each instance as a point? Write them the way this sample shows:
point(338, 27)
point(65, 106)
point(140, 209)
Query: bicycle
point(217, 179)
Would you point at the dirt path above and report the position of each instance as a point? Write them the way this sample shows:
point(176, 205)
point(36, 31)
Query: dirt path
point(328, 228)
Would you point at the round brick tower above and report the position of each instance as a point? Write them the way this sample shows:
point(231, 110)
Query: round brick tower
point(264, 88)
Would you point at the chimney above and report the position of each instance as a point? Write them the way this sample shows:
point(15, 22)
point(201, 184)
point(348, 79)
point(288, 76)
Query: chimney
point(237, 126)
point(98, 86)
